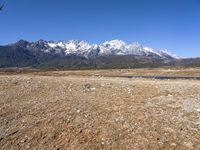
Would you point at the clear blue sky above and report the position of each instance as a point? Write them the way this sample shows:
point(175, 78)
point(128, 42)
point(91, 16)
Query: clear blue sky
point(170, 24)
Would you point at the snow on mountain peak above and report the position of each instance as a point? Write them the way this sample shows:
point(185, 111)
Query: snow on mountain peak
point(113, 47)
point(165, 51)
point(117, 44)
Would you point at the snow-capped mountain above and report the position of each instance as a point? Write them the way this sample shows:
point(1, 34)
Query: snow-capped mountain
point(84, 49)
point(81, 54)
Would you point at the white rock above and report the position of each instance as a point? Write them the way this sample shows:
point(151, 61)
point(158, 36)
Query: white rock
point(170, 95)
point(173, 144)
point(93, 89)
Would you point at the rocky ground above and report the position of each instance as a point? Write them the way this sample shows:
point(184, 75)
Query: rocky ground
point(89, 110)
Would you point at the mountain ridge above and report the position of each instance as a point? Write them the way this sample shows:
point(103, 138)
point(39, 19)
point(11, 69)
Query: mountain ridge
point(78, 54)
point(83, 48)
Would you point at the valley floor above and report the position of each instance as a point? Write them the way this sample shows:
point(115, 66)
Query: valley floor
point(99, 110)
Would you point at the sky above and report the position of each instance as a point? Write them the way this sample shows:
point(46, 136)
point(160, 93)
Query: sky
point(160, 24)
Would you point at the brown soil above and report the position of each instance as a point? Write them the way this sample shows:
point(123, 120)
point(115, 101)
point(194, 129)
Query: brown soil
point(87, 110)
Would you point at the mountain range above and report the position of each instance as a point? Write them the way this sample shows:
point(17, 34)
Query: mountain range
point(77, 54)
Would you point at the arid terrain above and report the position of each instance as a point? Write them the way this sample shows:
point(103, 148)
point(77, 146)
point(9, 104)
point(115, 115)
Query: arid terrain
point(99, 109)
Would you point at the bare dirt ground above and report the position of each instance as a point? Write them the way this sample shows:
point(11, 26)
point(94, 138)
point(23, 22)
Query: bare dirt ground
point(78, 110)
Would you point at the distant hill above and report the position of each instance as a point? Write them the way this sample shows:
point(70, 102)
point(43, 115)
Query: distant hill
point(187, 62)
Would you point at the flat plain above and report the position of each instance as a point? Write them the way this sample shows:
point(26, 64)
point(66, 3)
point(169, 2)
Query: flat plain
point(100, 109)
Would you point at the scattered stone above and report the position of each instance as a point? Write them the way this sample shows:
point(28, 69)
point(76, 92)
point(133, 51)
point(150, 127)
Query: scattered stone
point(27, 146)
point(170, 95)
point(93, 89)
point(88, 86)
point(189, 145)
point(173, 144)
point(98, 113)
